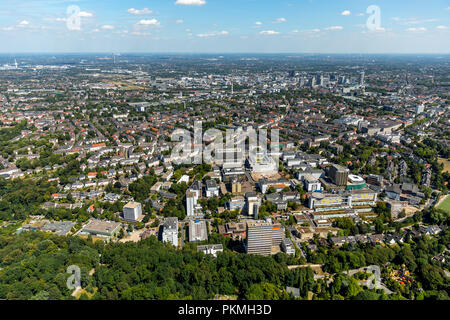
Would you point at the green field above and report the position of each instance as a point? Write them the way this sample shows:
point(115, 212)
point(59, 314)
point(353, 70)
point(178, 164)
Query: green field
point(446, 163)
point(445, 205)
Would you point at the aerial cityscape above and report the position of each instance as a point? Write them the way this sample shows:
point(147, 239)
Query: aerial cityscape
point(222, 174)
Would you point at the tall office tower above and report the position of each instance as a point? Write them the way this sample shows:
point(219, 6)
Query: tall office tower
point(341, 80)
point(301, 82)
point(261, 236)
point(320, 80)
point(361, 78)
point(338, 174)
point(312, 82)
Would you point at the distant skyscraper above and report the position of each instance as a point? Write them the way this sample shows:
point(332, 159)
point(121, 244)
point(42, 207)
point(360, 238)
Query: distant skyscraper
point(320, 80)
point(361, 78)
point(301, 82)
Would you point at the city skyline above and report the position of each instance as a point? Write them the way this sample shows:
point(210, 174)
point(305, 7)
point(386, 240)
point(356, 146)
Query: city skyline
point(199, 26)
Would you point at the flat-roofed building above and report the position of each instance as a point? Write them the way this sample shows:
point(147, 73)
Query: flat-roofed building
point(261, 162)
point(338, 174)
point(191, 203)
point(101, 228)
point(287, 246)
point(198, 230)
point(331, 201)
point(278, 185)
point(236, 203)
point(132, 211)
point(311, 183)
point(252, 204)
point(211, 188)
point(212, 249)
point(261, 236)
point(170, 231)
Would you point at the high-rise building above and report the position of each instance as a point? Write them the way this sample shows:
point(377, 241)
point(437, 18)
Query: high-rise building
point(261, 236)
point(132, 211)
point(338, 174)
point(301, 82)
point(320, 80)
point(191, 202)
point(235, 186)
point(420, 108)
point(170, 231)
point(252, 204)
point(361, 78)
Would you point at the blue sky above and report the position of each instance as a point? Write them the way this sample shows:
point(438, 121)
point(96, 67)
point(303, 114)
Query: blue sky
point(265, 26)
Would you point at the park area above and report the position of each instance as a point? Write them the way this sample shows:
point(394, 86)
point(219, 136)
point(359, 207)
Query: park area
point(446, 163)
point(444, 204)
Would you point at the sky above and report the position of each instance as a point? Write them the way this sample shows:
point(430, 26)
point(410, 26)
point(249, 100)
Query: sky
point(225, 26)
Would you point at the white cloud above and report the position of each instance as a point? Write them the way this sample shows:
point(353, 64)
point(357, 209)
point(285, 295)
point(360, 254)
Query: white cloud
point(150, 22)
point(306, 31)
point(179, 21)
point(280, 20)
point(334, 28)
point(107, 27)
point(442, 27)
point(24, 23)
point(8, 28)
point(412, 21)
point(360, 14)
point(141, 11)
point(85, 14)
point(213, 34)
point(448, 8)
point(419, 29)
point(346, 13)
point(138, 33)
point(375, 30)
point(191, 2)
point(258, 23)
point(269, 32)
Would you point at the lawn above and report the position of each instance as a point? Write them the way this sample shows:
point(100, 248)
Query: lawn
point(446, 163)
point(445, 205)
